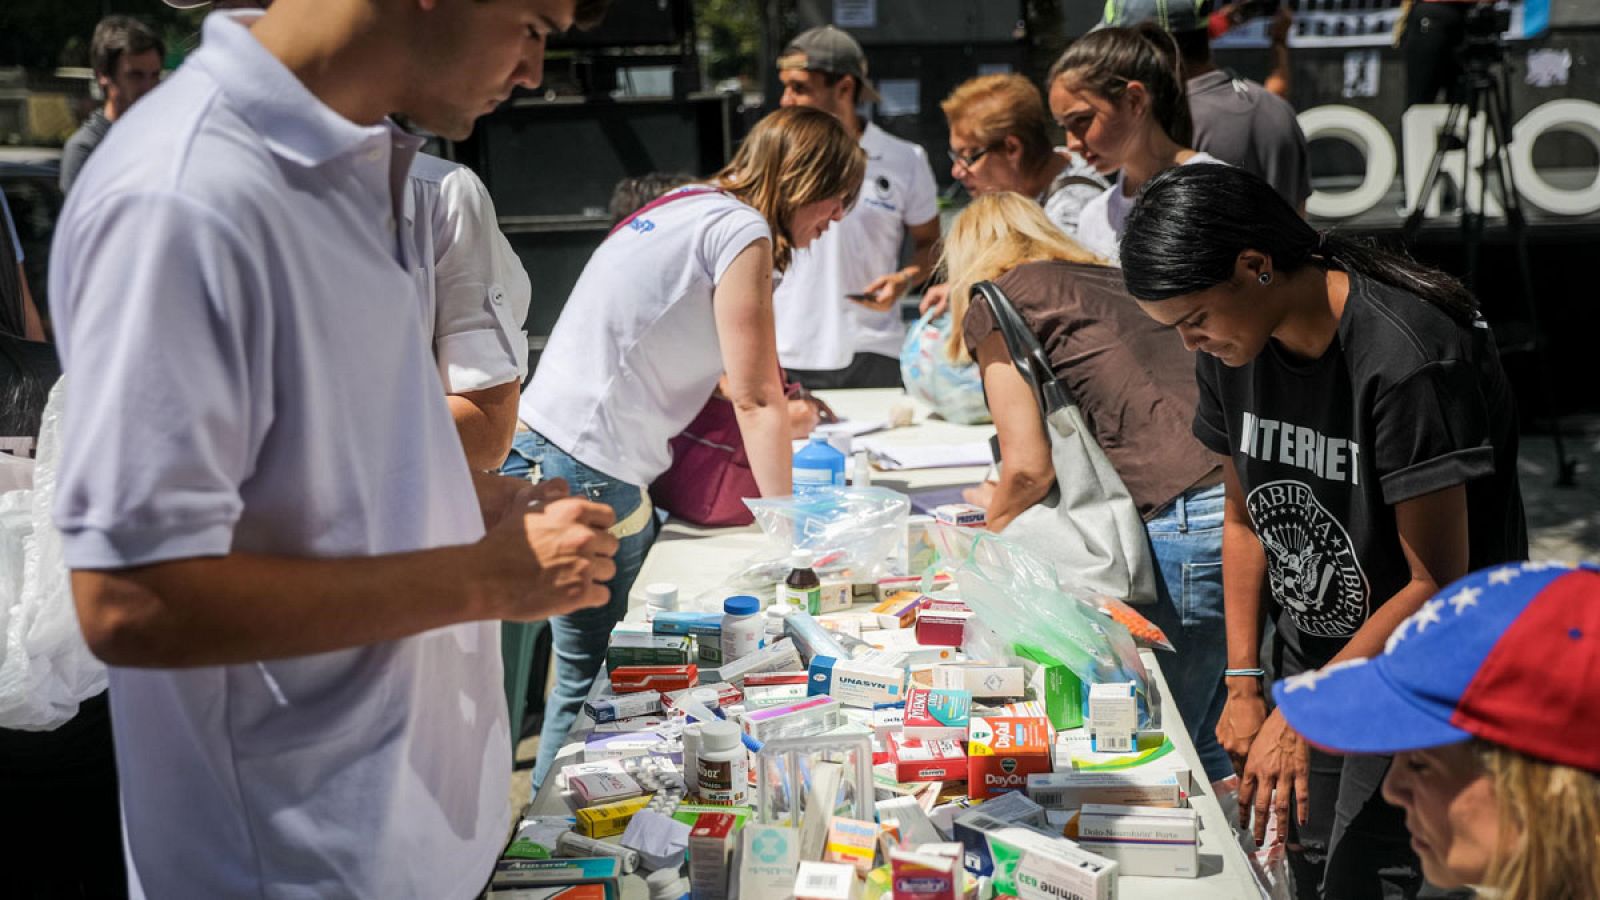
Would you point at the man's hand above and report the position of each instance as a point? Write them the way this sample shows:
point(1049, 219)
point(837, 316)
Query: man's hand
point(500, 496)
point(553, 559)
point(1279, 766)
point(936, 298)
point(885, 291)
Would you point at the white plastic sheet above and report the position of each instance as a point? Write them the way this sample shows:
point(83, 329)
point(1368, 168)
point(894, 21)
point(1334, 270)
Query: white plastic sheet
point(46, 669)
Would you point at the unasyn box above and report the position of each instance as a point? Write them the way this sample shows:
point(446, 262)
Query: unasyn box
point(854, 684)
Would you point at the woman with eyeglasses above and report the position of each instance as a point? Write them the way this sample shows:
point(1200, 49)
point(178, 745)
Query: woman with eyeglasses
point(1000, 141)
point(1119, 95)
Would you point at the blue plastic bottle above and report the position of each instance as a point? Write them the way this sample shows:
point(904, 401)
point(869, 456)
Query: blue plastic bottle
point(817, 465)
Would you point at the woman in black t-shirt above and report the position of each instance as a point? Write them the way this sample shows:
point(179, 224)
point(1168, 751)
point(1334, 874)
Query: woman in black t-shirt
point(1369, 442)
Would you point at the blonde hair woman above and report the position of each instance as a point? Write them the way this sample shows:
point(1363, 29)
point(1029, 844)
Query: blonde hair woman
point(1486, 698)
point(679, 294)
point(1135, 384)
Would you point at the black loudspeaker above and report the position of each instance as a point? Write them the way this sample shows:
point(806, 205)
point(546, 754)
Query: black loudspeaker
point(634, 23)
point(917, 21)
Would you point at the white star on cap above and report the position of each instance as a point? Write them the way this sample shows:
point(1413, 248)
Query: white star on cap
point(1309, 680)
point(1428, 614)
point(1504, 575)
point(1396, 636)
point(1467, 596)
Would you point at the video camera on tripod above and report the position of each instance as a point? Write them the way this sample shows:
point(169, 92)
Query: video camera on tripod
point(1484, 26)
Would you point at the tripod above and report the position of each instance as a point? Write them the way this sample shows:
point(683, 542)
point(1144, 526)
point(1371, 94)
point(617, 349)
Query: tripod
point(1483, 89)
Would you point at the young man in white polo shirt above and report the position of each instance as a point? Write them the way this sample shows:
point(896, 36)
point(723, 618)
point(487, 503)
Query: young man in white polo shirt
point(267, 510)
point(826, 337)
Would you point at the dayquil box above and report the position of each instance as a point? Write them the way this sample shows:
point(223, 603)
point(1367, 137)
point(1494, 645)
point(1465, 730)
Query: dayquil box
point(1003, 752)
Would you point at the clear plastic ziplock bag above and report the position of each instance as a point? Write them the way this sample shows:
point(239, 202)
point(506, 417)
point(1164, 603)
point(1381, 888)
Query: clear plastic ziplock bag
point(851, 532)
point(1016, 596)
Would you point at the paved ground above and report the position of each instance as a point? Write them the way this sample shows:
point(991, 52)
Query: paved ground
point(1563, 524)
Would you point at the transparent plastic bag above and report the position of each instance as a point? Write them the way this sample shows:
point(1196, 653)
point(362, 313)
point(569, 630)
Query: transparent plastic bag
point(851, 532)
point(46, 669)
point(1143, 630)
point(1017, 596)
point(953, 389)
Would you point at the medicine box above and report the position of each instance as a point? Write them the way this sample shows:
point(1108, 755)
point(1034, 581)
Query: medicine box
point(982, 682)
point(963, 514)
point(1113, 717)
point(632, 679)
point(852, 842)
point(610, 707)
point(899, 610)
point(917, 760)
point(811, 716)
point(1065, 870)
point(934, 714)
point(923, 876)
point(942, 627)
point(634, 649)
point(769, 859)
point(710, 848)
point(1055, 686)
point(1003, 752)
point(1143, 840)
point(1071, 790)
point(686, 623)
point(854, 684)
point(766, 696)
point(590, 878)
point(823, 881)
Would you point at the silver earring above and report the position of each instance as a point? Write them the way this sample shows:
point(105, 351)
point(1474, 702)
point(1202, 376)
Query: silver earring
point(1265, 279)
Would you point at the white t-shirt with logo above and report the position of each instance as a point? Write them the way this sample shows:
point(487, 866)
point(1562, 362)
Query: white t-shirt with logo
point(819, 328)
point(635, 355)
point(1101, 223)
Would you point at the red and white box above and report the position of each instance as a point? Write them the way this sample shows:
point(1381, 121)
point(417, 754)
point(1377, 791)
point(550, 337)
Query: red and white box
point(762, 679)
point(942, 627)
point(633, 679)
point(1003, 751)
point(917, 760)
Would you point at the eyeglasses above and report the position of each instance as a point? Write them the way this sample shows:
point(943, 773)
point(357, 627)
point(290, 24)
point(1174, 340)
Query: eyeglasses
point(967, 162)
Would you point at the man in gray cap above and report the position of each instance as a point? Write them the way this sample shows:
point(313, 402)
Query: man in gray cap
point(837, 308)
point(1235, 119)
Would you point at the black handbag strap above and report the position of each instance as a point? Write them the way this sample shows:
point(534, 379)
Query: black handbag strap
point(1026, 352)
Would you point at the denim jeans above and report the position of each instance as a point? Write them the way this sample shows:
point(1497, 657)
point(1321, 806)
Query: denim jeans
point(1187, 539)
point(579, 640)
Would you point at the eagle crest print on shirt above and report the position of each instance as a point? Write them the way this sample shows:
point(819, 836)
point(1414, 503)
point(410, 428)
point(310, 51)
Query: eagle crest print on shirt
point(1312, 568)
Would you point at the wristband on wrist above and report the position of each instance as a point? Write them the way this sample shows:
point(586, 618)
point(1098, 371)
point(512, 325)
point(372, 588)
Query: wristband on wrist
point(1244, 673)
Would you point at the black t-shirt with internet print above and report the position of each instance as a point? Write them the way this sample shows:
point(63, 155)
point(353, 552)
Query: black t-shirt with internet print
point(1406, 401)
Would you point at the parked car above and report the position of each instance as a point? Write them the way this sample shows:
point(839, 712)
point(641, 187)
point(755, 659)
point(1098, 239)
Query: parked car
point(31, 179)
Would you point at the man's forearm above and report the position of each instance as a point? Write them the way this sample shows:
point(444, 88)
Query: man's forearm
point(486, 421)
point(243, 607)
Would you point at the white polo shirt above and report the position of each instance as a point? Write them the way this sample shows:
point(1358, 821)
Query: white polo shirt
point(818, 327)
point(470, 277)
point(252, 373)
point(635, 354)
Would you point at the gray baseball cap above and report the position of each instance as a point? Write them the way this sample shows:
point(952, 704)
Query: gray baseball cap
point(1171, 15)
point(829, 49)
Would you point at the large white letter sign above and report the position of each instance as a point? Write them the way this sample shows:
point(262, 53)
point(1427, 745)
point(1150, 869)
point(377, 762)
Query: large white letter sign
point(1346, 123)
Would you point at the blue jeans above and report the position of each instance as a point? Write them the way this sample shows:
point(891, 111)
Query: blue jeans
point(579, 640)
point(1187, 539)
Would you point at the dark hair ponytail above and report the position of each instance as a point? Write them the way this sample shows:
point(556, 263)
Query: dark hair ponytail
point(1191, 222)
point(1105, 60)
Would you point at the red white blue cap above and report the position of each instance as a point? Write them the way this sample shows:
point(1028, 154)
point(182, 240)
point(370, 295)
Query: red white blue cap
point(1510, 655)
